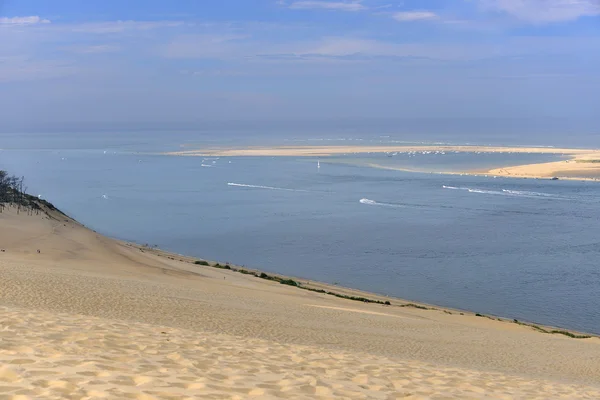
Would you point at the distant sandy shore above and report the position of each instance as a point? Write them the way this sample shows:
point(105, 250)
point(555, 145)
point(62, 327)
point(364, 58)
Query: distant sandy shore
point(578, 166)
point(92, 317)
point(585, 166)
point(323, 151)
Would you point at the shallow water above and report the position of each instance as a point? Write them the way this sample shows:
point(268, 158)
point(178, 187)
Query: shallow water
point(524, 249)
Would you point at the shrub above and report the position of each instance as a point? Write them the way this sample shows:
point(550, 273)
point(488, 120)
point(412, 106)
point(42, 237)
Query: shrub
point(202, 262)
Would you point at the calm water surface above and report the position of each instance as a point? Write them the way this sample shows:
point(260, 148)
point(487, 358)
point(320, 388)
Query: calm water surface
point(524, 249)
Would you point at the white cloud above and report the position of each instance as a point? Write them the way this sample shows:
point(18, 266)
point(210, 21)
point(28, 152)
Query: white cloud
point(328, 5)
point(409, 16)
point(545, 11)
point(31, 20)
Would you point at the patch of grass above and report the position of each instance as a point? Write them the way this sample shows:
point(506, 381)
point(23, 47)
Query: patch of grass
point(479, 315)
point(315, 290)
point(412, 305)
point(552, 332)
point(291, 282)
point(588, 161)
point(570, 334)
point(245, 272)
point(202, 262)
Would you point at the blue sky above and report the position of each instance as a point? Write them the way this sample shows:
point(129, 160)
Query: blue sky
point(72, 61)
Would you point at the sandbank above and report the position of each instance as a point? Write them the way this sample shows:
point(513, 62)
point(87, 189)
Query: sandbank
point(580, 164)
point(323, 151)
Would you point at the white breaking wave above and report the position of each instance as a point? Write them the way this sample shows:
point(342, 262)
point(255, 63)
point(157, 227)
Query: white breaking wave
point(264, 187)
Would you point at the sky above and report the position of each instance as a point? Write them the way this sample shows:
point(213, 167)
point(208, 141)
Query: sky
point(190, 61)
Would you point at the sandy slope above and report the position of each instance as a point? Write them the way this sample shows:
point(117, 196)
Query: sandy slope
point(85, 319)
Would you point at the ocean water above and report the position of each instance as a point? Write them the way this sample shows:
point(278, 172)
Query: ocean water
point(518, 248)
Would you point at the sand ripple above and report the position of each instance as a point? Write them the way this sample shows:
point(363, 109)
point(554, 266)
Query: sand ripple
point(61, 356)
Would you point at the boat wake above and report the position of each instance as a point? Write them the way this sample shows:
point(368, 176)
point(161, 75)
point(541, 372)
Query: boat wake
point(264, 187)
point(370, 202)
point(511, 193)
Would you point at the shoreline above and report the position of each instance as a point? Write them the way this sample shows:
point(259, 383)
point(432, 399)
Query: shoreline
point(493, 173)
point(311, 285)
point(347, 293)
point(85, 315)
point(582, 164)
point(356, 294)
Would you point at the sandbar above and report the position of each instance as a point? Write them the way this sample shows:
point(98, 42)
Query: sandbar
point(579, 164)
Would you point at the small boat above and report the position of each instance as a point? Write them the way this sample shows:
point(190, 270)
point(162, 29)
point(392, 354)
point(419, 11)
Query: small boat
point(318, 164)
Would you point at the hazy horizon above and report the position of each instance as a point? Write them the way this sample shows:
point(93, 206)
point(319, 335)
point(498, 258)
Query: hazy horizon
point(484, 65)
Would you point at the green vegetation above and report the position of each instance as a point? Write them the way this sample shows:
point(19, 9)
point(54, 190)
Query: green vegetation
point(412, 305)
point(219, 266)
point(243, 271)
point(552, 332)
point(291, 282)
point(13, 192)
point(588, 161)
point(202, 262)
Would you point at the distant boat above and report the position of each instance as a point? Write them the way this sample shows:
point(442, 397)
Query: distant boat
point(318, 164)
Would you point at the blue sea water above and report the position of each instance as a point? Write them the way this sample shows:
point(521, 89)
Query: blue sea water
point(518, 248)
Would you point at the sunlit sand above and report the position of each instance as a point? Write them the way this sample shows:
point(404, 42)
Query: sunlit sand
point(90, 317)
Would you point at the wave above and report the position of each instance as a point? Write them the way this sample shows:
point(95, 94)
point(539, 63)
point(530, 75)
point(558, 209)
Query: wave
point(264, 187)
point(370, 202)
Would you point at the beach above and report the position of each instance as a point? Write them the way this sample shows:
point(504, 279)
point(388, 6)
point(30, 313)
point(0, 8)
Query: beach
point(580, 164)
point(92, 317)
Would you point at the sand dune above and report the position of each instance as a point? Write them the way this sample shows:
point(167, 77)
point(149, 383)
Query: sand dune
point(91, 317)
point(50, 355)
